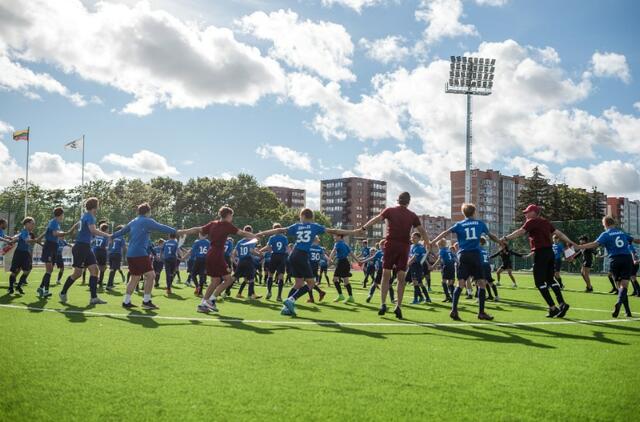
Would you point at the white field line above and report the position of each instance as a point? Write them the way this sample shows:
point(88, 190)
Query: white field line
point(319, 322)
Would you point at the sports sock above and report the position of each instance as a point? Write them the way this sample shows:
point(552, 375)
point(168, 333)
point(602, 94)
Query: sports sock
point(68, 283)
point(101, 277)
point(251, 288)
point(416, 293)
point(544, 291)
point(495, 289)
point(60, 273)
point(269, 284)
point(12, 281)
point(425, 292)
point(625, 300)
point(301, 292)
point(338, 287)
point(558, 292)
point(291, 291)
point(112, 274)
point(46, 280)
point(456, 298)
point(93, 286)
point(372, 290)
point(242, 285)
point(391, 292)
point(146, 297)
point(23, 279)
point(482, 297)
point(445, 290)
point(317, 289)
point(127, 298)
point(451, 289)
point(349, 290)
point(280, 287)
point(428, 282)
point(636, 286)
point(612, 281)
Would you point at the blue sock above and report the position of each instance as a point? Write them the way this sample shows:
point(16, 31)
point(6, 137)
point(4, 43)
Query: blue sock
point(451, 289)
point(456, 297)
point(445, 289)
point(301, 291)
point(372, 289)
point(482, 296)
point(625, 300)
point(269, 283)
point(425, 292)
point(291, 292)
point(416, 293)
point(93, 286)
point(12, 281)
point(251, 288)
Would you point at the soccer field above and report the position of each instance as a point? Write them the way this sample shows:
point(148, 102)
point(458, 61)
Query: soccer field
point(333, 362)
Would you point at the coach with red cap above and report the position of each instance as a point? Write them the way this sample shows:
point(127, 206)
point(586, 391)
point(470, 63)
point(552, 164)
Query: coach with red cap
point(540, 232)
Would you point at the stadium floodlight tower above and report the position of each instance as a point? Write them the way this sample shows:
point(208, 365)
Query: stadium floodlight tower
point(470, 76)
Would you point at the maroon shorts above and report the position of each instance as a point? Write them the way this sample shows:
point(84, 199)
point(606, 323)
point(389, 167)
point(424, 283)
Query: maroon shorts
point(216, 264)
point(139, 265)
point(396, 255)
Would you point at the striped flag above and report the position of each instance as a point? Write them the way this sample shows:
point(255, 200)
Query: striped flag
point(21, 135)
point(76, 144)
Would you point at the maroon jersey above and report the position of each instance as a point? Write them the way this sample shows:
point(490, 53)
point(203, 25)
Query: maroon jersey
point(217, 231)
point(540, 231)
point(400, 221)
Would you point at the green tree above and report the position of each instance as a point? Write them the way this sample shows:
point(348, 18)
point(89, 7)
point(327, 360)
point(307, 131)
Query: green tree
point(535, 191)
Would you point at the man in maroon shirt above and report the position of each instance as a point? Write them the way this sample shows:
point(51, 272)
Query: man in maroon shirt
point(540, 232)
point(400, 221)
point(217, 231)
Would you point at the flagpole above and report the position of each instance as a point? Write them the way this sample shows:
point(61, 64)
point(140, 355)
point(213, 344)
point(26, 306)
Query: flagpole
point(83, 165)
point(26, 179)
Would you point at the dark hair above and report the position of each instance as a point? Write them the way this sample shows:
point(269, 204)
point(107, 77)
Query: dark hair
point(306, 214)
point(583, 238)
point(172, 236)
point(91, 203)
point(404, 198)
point(225, 211)
point(58, 211)
point(144, 208)
point(248, 228)
point(416, 234)
point(104, 227)
point(3, 221)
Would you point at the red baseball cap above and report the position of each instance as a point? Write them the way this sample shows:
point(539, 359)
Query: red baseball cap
point(532, 208)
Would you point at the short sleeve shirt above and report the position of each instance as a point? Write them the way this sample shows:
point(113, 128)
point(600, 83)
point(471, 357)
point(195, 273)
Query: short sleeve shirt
point(400, 221)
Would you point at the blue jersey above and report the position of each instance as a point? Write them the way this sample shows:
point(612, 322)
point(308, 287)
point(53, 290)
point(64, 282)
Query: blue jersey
point(257, 260)
point(342, 249)
point(485, 257)
point(305, 233)
point(558, 250)
point(316, 253)
point(170, 249)
point(1, 233)
point(116, 246)
point(267, 256)
point(156, 252)
point(228, 247)
point(377, 259)
point(632, 251)
point(99, 242)
point(365, 252)
point(278, 243)
point(53, 226)
point(23, 245)
point(615, 241)
point(469, 232)
point(61, 244)
point(84, 234)
point(447, 257)
point(200, 248)
point(418, 252)
point(139, 229)
point(244, 248)
point(323, 258)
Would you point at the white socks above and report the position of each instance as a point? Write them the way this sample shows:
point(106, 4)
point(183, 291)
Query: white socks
point(127, 298)
point(147, 297)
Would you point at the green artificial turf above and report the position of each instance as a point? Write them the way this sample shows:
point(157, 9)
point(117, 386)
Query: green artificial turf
point(330, 363)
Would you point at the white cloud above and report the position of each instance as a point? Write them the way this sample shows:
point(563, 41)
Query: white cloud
point(637, 105)
point(615, 178)
point(290, 158)
point(150, 54)
point(324, 48)
point(496, 3)
point(611, 65)
point(443, 20)
point(356, 5)
point(15, 77)
point(142, 162)
point(5, 128)
point(338, 117)
point(386, 50)
point(523, 166)
point(311, 186)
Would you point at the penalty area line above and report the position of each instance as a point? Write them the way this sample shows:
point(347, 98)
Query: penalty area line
point(318, 322)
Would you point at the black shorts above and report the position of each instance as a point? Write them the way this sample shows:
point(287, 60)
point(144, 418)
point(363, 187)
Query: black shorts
point(246, 269)
point(324, 268)
point(59, 261)
point(557, 265)
point(505, 267)
point(83, 256)
point(21, 261)
point(470, 265)
point(115, 261)
point(158, 266)
point(300, 264)
point(190, 265)
point(449, 271)
point(278, 263)
point(49, 252)
point(486, 269)
point(265, 266)
point(543, 266)
point(315, 268)
point(101, 256)
point(199, 266)
point(621, 267)
point(635, 269)
point(415, 273)
point(587, 263)
point(171, 265)
point(369, 269)
point(343, 268)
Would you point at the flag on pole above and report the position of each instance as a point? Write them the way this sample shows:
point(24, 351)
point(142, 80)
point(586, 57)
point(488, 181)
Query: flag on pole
point(76, 144)
point(21, 135)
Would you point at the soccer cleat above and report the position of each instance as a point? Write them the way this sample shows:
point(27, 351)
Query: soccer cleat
point(63, 298)
point(428, 301)
point(350, 299)
point(10, 291)
point(564, 308)
point(496, 299)
point(97, 301)
point(291, 306)
point(39, 292)
point(46, 293)
point(614, 290)
point(278, 299)
point(368, 299)
point(485, 316)
point(429, 289)
point(398, 312)
point(268, 296)
point(58, 282)
point(340, 298)
point(553, 312)
point(415, 301)
point(498, 284)
point(454, 316)
point(616, 310)
point(589, 290)
point(470, 297)
point(382, 310)
point(514, 286)
point(310, 300)
point(321, 295)
point(128, 305)
point(446, 299)
point(211, 305)
point(629, 315)
point(109, 288)
point(203, 309)
point(285, 311)
point(255, 297)
point(239, 296)
point(149, 305)
point(19, 289)
point(169, 292)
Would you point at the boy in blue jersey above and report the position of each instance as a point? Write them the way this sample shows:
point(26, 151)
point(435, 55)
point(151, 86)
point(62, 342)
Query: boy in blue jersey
point(324, 267)
point(616, 242)
point(304, 232)
point(486, 267)
point(231, 265)
point(116, 249)
point(100, 244)
point(367, 269)
point(316, 254)
point(139, 230)
point(266, 261)
point(277, 245)
point(469, 232)
point(375, 259)
point(170, 256)
point(158, 262)
point(342, 252)
point(558, 254)
point(417, 257)
point(22, 260)
point(199, 251)
point(244, 251)
point(60, 259)
point(634, 271)
point(52, 236)
point(83, 256)
point(447, 261)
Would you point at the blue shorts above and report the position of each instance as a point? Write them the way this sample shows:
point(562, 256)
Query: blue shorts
point(415, 272)
point(470, 265)
point(557, 265)
point(115, 261)
point(21, 261)
point(83, 256)
point(49, 252)
point(246, 269)
point(101, 256)
point(487, 272)
point(59, 261)
point(300, 264)
point(621, 267)
point(449, 271)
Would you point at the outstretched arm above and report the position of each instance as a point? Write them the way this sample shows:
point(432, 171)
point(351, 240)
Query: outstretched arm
point(517, 233)
point(281, 230)
point(590, 245)
point(425, 236)
point(343, 232)
point(564, 237)
point(375, 220)
point(441, 235)
point(246, 235)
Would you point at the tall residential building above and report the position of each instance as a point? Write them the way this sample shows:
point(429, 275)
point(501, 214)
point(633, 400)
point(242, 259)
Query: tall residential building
point(627, 212)
point(495, 196)
point(434, 225)
point(291, 198)
point(352, 201)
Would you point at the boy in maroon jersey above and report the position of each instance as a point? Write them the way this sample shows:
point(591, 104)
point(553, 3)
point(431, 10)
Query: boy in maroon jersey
point(400, 221)
point(217, 231)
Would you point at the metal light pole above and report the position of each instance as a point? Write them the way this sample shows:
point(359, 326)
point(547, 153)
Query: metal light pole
point(470, 76)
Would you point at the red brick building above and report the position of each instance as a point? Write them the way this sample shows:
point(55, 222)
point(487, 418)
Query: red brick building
point(291, 198)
